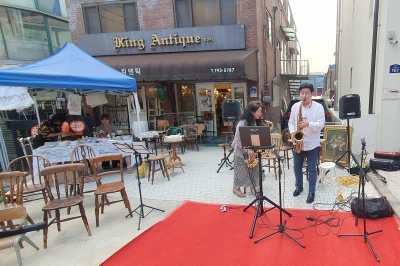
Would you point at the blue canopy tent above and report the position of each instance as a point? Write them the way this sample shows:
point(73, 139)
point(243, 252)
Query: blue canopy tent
point(70, 68)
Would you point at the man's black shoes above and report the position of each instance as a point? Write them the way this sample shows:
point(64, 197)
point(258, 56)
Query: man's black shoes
point(310, 197)
point(297, 191)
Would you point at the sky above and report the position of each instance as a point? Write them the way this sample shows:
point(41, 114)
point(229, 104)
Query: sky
point(316, 31)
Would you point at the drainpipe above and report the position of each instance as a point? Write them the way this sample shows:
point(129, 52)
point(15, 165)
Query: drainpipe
point(335, 84)
point(373, 59)
point(275, 8)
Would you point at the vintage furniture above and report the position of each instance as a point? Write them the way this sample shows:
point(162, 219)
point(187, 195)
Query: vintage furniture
point(272, 153)
point(286, 145)
point(103, 189)
point(171, 164)
point(153, 160)
point(61, 174)
point(33, 182)
point(13, 237)
point(190, 137)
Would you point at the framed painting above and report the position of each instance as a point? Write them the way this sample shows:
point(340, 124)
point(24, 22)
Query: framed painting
point(336, 144)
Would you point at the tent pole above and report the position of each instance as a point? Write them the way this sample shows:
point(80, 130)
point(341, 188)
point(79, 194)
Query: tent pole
point(3, 152)
point(128, 100)
point(36, 109)
point(137, 107)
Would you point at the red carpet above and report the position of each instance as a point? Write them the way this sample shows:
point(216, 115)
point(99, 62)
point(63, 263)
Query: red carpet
point(200, 234)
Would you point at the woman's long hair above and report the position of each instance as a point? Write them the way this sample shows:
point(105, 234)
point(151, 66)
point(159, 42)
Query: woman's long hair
point(247, 113)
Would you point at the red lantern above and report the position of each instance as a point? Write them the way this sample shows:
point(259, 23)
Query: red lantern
point(78, 127)
point(34, 131)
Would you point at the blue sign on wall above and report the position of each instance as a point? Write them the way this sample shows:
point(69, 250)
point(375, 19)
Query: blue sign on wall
point(394, 69)
point(253, 92)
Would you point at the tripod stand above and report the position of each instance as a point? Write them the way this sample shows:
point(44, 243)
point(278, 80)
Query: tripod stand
point(348, 150)
point(138, 149)
point(260, 197)
point(281, 227)
point(362, 184)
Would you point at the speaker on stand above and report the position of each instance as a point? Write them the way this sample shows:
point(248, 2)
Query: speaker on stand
point(231, 110)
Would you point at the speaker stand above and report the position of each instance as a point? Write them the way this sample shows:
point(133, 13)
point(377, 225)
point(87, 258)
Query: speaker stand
point(348, 150)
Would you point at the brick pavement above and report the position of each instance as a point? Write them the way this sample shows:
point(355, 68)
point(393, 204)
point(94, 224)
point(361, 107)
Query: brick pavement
point(201, 182)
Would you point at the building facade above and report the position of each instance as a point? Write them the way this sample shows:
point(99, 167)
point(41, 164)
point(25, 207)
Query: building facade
point(189, 55)
point(369, 65)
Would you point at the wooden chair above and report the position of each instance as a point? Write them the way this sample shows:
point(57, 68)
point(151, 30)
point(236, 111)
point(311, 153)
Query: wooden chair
point(286, 146)
point(230, 132)
point(189, 132)
point(277, 140)
point(14, 182)
point(162, 126)
point(26, 145)
point(200, 130)
point(171, 164)
point(33, 182)
point(103, 190)
point(61, 174)
point(13, 237)
point(83, 154)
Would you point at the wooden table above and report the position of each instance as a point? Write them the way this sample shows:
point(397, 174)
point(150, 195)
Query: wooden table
point(174, 156)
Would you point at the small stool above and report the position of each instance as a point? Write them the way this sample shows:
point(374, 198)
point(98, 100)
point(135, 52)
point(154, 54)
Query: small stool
point(323, 172)
point(152, 167)
point(225, 159)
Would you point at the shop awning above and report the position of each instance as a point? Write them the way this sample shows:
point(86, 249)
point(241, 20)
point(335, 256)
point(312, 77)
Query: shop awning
point(216, 65)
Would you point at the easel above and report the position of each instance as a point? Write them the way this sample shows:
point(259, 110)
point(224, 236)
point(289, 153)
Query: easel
point(138, 149)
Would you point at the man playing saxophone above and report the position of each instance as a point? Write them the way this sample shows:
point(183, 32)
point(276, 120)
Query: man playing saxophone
point(306, 117)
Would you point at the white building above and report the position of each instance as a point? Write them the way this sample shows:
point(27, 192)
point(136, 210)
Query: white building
point(356, 69)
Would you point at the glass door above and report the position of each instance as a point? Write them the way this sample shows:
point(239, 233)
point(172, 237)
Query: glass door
point(153, 105)
point(239, 93)
point(206, 106)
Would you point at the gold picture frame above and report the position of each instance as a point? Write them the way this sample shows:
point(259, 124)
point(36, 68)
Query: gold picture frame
point(336, 144)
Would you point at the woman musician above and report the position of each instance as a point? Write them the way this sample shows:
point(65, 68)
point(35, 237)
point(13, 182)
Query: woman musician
point(243, 174)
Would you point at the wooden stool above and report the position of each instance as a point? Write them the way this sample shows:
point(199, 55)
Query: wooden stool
point(152, 167)
point(225, 159)
point(327, 170)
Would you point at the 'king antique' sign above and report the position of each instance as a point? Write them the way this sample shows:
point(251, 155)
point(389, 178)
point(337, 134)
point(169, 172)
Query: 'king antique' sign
point(226, 37)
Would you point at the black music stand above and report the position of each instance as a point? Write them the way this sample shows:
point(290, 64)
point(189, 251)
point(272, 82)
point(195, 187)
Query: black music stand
point(362, 177)
point(138, 149)
point(281, 227)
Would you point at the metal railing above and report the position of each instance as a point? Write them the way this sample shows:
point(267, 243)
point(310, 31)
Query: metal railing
point(295, 67)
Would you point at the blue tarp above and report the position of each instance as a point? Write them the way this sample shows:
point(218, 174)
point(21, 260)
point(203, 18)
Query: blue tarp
point(69, 67)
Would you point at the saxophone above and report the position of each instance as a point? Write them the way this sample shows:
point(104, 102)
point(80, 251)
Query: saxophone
point(266, 123)
point(299, 135)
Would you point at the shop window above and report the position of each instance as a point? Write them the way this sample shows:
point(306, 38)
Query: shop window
point(110, 17)
point(198, 13)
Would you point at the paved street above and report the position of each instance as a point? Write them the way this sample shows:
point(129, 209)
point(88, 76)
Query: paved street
point(200, 182)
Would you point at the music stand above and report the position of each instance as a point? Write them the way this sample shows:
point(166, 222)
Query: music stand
point(138, 149)
point(281, 226)
point(249, 137)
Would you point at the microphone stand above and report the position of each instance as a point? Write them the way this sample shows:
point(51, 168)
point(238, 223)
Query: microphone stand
point(281, 226)
point(361, 185)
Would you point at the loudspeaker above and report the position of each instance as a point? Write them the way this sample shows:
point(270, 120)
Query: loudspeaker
point(230, 110)
point(350, 106)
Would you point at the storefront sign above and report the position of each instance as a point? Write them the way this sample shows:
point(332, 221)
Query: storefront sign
point(394, 69)
point(225, 37)
point(253, 92)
